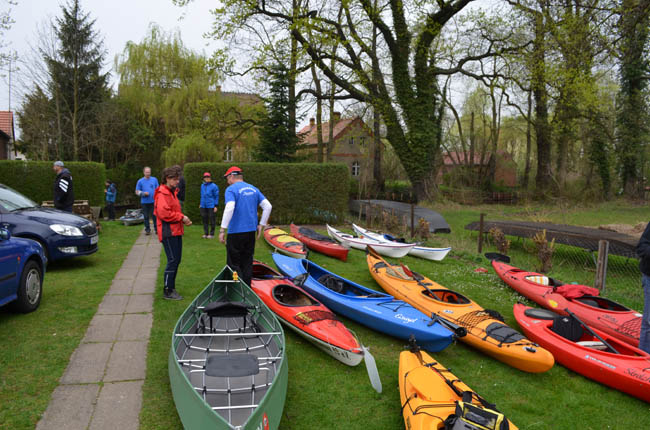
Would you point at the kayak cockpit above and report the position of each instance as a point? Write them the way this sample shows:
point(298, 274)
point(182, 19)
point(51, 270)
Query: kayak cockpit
point(446, 296)
point(602, 303)
point(340, 286)
point(289, 295)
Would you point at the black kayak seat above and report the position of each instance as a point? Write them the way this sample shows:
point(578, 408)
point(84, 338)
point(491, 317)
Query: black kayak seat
point(232, 365)
point(568, 328)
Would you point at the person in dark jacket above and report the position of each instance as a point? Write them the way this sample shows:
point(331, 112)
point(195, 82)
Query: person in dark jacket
point(208, 205)
point(170, 229)
point(111, 194)
point(181, 189)
point(63, 191)
point(643, 251)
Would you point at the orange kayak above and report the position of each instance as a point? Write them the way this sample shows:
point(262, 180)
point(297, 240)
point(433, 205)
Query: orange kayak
point(431, 394)
point(486, 330)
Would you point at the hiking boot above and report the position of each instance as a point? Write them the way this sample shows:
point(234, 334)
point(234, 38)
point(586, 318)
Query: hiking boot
point(172, 295)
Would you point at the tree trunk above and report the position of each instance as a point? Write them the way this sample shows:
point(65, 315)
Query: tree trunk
point(542, 130)
point(528, 142)
point(319, 115)
point(376, 167)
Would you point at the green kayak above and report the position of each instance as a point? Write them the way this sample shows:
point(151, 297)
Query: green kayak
point(227, 363)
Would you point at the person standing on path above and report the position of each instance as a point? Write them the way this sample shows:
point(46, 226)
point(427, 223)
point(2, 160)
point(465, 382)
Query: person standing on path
point(208, 205)
point(643, 250)
point(171, 220)
point(240, 218)
point(145, 188)
point(63, 191)
point(111, 195)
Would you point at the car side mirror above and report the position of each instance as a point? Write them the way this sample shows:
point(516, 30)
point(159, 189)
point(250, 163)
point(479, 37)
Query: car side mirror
point(4, 234)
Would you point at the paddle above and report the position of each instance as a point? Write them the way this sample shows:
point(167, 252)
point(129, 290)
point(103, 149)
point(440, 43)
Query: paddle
point(593, 333)
point(458, 330)
point(371, 367)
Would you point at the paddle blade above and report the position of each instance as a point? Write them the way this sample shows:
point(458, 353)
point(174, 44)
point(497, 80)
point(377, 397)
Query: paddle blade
point(497, 256)
point(371, 367)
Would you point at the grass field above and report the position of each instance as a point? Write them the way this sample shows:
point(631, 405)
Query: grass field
point(35, 348)
point(326, 394)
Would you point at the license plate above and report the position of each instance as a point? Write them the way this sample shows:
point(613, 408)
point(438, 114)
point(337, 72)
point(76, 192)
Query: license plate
point(94, 239)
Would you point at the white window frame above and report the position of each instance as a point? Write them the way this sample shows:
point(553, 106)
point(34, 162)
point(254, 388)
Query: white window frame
point(227, 154)
point(356, 169)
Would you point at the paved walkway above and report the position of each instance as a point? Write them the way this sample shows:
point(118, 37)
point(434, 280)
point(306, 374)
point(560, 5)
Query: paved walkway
point(102, 387)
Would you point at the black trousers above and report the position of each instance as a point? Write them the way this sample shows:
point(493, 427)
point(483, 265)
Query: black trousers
point(147, 212)
point(110, 207)
point(174, 251)
point(209, 217)
point(240, 248)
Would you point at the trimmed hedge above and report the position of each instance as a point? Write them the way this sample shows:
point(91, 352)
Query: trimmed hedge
point(35, 179)
point(303, 193)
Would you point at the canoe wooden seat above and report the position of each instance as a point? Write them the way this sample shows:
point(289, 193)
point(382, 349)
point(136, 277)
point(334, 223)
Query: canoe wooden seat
point(230, 366)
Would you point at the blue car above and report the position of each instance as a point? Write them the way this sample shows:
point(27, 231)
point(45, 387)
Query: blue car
point(22, 267)
point(62, 234)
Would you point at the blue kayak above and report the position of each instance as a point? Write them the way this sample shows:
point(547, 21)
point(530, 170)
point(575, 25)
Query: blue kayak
point(374, 309)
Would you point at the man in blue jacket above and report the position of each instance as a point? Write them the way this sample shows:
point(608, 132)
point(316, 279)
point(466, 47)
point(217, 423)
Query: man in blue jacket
point(145, 188)
point(643, 250)
point(208, 205)
point(111, 194)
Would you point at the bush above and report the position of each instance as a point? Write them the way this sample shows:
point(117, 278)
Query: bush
point(299, 192)
point(35, 179)
point(125, 178)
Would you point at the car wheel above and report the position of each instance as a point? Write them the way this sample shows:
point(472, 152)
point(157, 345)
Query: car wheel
point(30, 289)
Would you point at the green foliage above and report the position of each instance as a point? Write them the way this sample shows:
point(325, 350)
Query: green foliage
point(278, 140)
point(35, 179)
point(191, 148)
point(299, 192)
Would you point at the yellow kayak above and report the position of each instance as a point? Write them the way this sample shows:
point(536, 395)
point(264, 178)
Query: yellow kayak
point(486, 330)
point(431, 394)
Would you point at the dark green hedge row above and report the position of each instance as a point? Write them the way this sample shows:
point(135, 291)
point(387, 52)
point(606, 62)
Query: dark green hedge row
point(35, 179)
point(299, 192)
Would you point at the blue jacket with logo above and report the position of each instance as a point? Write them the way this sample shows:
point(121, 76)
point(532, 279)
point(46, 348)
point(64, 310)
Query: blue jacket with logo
point(209, 195)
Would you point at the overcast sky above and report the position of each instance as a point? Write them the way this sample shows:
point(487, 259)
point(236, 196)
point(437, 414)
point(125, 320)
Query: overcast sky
point(118, 21)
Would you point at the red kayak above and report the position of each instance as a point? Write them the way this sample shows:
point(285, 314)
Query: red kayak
point(319, 243)
point(613, 363)
point(283, 242)
point(305, 315)
point(598, 312)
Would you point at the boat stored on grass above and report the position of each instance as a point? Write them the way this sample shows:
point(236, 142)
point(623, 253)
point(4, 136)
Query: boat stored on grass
point(227, 363)
point(132, 217)
point(395, 250)
point(283, 242)
point(376, 310)
point(588, 351)
point(597, 312)
point(486, 330)
point(428, 253)
point(319, 243)
point(305, 315)
point(434, 398)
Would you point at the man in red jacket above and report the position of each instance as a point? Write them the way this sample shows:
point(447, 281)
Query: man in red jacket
point(170, 221)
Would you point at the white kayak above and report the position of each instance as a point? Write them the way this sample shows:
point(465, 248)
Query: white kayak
point(394, 249)
point(426, 252)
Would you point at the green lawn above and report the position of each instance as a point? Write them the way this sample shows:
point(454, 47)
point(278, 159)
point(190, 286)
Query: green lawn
point(35, 348)
point(326, 394)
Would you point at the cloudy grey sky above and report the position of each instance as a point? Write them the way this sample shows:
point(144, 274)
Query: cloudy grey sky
point(118, 21)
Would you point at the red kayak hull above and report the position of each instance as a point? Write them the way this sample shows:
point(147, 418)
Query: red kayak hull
point(305, 315)
point(327, 247)
point(628, 371)
point(598, 312)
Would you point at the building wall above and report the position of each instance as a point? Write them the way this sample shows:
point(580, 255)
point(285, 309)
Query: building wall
point(355, 145)
point(4, 155)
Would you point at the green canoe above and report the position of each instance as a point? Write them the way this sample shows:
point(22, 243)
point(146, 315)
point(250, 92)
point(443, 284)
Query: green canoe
point(227, 363)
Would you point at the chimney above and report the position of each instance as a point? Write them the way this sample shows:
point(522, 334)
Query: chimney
point(337, 116)
point(312, 122)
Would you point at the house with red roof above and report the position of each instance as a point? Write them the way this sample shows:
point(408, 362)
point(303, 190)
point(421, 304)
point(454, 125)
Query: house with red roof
point(8, 137)
point(352, 143)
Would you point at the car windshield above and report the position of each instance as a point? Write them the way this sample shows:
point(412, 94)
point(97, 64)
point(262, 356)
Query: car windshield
point(12, 200)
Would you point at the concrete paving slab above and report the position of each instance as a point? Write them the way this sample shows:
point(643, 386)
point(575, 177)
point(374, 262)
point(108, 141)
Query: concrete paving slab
point(135, 327)
point(113, 304)
point(128, 362)
point(144, 286)
point(103, 328)
point(87, 363)
point(139, 303)
point(121, 286)
point(70, 408)
point(127, 273)
point(148, 273)
point(118, 406)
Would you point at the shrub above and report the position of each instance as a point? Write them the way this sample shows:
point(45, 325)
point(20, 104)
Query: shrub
point(500, 240)
point(299, 192)
point(35, 179)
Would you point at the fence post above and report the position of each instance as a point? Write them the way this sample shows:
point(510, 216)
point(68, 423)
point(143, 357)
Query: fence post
point(412, 219)
point(601, 265)
point(480, 234)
